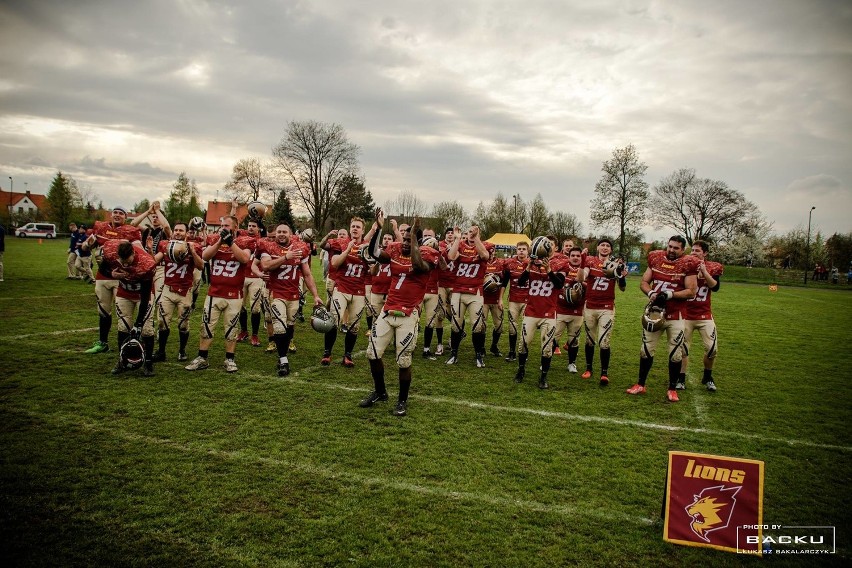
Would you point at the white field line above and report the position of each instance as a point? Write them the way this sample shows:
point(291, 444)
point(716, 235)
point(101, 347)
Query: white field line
point(43, 333)
point(697, 401)
point(385, 483)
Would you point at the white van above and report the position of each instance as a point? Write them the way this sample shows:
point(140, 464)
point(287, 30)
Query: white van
point(44, 230)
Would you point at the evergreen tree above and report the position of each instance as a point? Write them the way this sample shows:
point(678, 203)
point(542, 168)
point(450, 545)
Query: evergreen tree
point(282, 212)
point(60, 200)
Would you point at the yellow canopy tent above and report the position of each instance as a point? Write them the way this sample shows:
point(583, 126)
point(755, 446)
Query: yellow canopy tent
point(503, 241)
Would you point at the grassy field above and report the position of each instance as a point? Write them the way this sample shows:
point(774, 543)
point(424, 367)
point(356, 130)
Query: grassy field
point(208, 468)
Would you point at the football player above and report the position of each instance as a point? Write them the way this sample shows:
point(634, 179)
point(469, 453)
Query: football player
point(286, 261)
point(699, 316)
point(492, 298)
point(669, 281)
point(158, 230)
point(432, 308)
point(599, 312)
point(446, 277)
point(71, 261)
point(226, 254)
point(83, 264)
point(253, 290)
point(569, 316)
point(380, 285)
point(133, 268)
point(180, 267)
point(469, 255)
point(513, 268)
point(545, 280)
point(400, 316)
point(105, 284)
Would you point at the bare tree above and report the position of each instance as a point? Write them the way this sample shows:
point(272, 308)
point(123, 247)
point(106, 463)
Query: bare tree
point(539, 217)
point(517, 212)
point(407, 205)
point(621, 194)
point(315, 158)
point(449, 214)
point(564, 225)
point(250, 179)
point(702, 208)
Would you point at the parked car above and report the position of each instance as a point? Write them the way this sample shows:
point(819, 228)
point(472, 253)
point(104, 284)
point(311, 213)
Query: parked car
point(44, 230)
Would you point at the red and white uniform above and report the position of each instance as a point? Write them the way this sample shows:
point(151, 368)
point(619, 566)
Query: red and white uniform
point(447, 276)
point(178, 276)
point(407, 287)
point(517, 293)
point(543, 293)
point(105, 232)
point(600, 289)
point(283, 281)
point(494, 266)
point(572, 274)
point(698, 308)
point(351, 276)
point(227, 274)
point(142, 269)
point(469, 270)
point(669, 276)
point(382, 279)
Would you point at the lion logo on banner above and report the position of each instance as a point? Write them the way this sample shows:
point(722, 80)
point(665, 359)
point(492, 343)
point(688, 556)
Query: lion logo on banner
point(712, 510)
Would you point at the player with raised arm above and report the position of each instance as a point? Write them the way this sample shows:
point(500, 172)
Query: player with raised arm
point(470, 256)
point(226, 254)
point(699, 316)
point(669, 281)
point(601, 273)
point(286, 261)
point(492, 297)
point(399, 320)
point(569, 306)
point(513, 268)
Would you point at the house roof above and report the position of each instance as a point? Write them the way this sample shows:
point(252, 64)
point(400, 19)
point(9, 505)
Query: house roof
point(38, 199)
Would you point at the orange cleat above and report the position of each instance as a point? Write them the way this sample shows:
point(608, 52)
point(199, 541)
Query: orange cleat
point(636, 389)
point(671, 396)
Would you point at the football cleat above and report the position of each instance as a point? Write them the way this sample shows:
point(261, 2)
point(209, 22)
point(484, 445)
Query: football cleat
point(348, 362)
point(496, 351)
point(480, 361)
point(283, 369)
point(510, 358)
point(242, 336)
point(372, 399)
point(270, 347)
point(158, 357)
point(711, 386)
point(401, 408)
point(230, 366)
point(148, 370)
point(636, 389)
point(587, 374)
point(255, 342)
point(197, 364)
point(680, 385)
point(439, 350)
point(326, 359)
point(671, 396)
point(182, 357)
point(98, 347)
point(452, 360)
point(119, 368)
point(519, 376)
point(572, 367)
point(427, 353)
point(292, 347)
point(604, 382)
point(542, 382)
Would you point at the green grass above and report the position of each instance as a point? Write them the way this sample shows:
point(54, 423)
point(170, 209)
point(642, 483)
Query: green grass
point(208, 468)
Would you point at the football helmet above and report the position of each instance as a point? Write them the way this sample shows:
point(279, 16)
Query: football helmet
point(307, 235)
point(614, 268)
point(574, 294)
point(540, 248)
point(177, 251)
point(430, 242)
point(196, 224)
point(321, 320)
point(365, 254)
point(653, 318)
point(256, 210)
point(491, 282)
point(132, 354)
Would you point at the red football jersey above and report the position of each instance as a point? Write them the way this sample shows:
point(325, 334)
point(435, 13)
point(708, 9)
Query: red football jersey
point(515, 267)
point(572, 275)
point(494, 266)
point(382, 279)
point(351, 276)
point(667, 275)
point(105, 231)
point(178, 276)
point(284, 281)
point(447, 276)
point(226, 272)
point(698, 308)
point(542, 294)
point(469, 270)
point(142, 268)
point(247, 238)
point(407, 287)
point(600, 290)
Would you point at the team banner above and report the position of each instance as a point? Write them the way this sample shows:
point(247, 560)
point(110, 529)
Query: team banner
point(714, 501)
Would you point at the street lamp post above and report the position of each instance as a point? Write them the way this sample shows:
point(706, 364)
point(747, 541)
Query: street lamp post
point(808, 247)
point(515, 216)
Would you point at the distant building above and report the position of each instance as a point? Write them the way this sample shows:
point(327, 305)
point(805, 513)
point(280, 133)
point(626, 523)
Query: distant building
point(24, 206)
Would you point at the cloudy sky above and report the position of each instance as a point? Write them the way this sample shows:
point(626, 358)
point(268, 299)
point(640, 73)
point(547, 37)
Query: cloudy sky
point(456, 99)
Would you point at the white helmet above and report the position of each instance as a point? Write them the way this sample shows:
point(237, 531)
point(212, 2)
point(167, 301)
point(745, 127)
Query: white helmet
point(653, 318)
point(177, 251)
point(430, 242)
point(366, 255)
point(321, 320)
point(614, 268)
point(491, 282)
point(256, 210)
point(196, 224)
point(307, 235)
point(574, 294)
point(540, 248)
point(132, 354)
